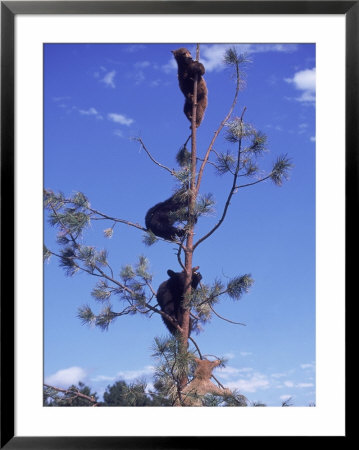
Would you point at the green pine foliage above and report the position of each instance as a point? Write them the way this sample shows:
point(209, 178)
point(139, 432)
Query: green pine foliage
point(239, 285)
point(281, 168)
point(183, 157)
point(129, 291)
point(172, 365)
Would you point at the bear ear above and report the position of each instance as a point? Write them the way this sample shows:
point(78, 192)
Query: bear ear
point(170, 273)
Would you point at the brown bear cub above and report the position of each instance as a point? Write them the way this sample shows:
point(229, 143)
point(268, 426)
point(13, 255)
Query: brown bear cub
point(187, 69)
point(170, 296)
point(161, 217)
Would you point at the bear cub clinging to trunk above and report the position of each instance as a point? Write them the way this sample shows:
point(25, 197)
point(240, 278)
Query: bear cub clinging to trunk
point(170, 296)
point(160, 218)
point(187, 69)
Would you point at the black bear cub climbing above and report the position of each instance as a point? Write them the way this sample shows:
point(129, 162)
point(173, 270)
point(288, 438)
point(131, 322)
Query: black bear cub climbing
point(170, 296)
point(187, 69)
point(161, 217)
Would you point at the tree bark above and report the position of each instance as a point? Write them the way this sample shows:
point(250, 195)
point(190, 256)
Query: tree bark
point(191, 207)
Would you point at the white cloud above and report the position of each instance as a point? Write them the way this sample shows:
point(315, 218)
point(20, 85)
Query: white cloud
point(66, 377)
point(304, 80)
point(285, 397)
point(312, 138)
point(257, 381)
point(133, 48)
point(102, 378)
point(60, 99)
point(142, 64)
point(288, 383)
point(133, 374)
point(155, 83)
point(120, 118)
point(88, 112)
point(170, 66)
point(304, 385)
point(212, 55)
point(278, 375)
point(229, 372)
point(309, 365)
point(118, 133)
point(245, 353)
point(108, 79)
point(138, 77)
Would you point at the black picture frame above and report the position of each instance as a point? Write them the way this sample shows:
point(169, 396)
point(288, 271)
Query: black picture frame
point(9, 9)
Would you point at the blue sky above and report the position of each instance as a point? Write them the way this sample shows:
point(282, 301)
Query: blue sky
point(96, 98)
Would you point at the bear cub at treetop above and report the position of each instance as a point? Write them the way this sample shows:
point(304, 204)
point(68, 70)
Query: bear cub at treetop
point(187, 69)
point(170, 296)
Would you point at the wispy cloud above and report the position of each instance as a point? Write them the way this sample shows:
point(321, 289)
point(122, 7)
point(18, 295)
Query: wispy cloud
point(138, 77)
point(133, 374)
point(88, 112)
point(307, 366)
point(61, 99)
point(279, 375)
point(103, 378)
point(252, 384)
point(142, 64)
point(170, 66)
point(230, 372)
point(67, 377)
point(118, 133)
point(304, 81)
point(133, 48)
point(303, 128)
point(229, 355)
point(304, 385)
point(108, 79)
point(245, 353)
point(285, 397)
point(212, 55)
point(120, 118)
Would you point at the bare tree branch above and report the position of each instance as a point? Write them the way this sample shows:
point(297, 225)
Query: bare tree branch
point(219, 129)
point(76, 393)
point(227, 320)
point(171, 171)
point(196, 345)
point(230, 195)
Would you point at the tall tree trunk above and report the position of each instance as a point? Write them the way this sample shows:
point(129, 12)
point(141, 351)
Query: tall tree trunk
point(191, 207)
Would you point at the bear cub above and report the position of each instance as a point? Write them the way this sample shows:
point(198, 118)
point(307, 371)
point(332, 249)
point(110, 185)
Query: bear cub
point(187, 69)
point(161, 217)
point(170, 296)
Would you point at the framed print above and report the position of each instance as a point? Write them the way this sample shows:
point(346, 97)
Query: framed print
point(234, 96)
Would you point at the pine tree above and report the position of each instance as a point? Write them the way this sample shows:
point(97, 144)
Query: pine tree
point(71, 216)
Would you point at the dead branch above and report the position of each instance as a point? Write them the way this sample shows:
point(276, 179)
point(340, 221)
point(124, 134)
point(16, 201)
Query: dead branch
point(76, 392)
point(223, 318)
point(171, 171)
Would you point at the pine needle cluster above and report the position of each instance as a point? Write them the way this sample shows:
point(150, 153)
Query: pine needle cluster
point(172, 365)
